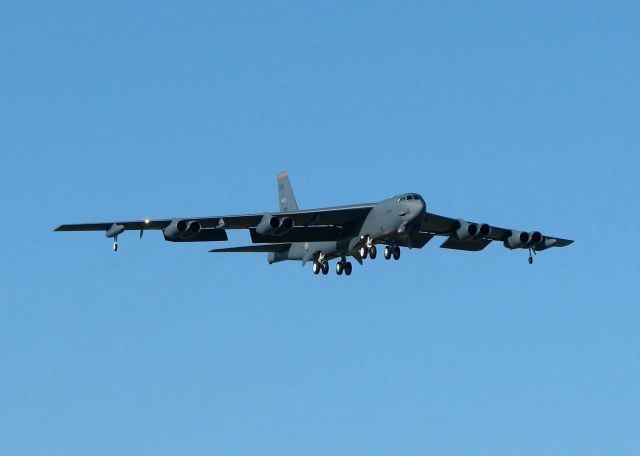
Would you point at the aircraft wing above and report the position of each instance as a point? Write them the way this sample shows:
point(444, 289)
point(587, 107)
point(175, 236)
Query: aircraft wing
point(446, 226)
point(255, 248)
point(338, 216)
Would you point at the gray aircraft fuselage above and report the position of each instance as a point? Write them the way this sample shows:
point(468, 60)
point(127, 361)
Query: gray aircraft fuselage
point(390, 219)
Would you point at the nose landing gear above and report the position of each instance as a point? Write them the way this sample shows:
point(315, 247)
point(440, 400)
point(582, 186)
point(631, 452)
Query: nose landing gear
point(530, 256)
point(115, 243)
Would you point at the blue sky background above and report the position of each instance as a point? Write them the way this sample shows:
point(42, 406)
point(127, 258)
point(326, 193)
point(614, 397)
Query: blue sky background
point(523, 116)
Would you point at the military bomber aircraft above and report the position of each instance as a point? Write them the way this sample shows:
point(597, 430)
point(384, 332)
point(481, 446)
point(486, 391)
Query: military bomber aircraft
point(320, 235)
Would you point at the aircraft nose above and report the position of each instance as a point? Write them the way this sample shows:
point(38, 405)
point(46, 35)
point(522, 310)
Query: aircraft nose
point(418, 209)
point(417, 206)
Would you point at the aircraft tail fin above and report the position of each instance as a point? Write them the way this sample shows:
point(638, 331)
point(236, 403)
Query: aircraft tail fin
point(285, 194)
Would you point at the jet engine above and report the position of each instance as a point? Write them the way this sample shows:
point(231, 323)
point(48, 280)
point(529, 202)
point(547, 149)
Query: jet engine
point(182, 229)
point(471, 231)
point(535, 238)
point(274, 226)
point(517, 240)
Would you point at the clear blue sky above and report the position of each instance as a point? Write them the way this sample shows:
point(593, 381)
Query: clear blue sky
point(524, 116)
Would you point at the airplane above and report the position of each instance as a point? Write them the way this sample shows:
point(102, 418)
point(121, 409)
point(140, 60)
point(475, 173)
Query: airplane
point(320, 235)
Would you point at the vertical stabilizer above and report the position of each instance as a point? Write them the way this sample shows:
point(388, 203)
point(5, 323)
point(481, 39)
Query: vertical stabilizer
point(285, 194)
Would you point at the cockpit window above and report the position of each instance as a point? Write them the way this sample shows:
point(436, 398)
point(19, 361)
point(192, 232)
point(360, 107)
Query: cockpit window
point(412, 196)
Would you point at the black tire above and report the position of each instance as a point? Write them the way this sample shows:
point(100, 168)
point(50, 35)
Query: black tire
point(373, 252)
point(530, 260)
point(387, 253)
point(364, 252)
point(348, 268)
point(316, 268)
point(396, 253)
point(325, 268)
point(339, 267)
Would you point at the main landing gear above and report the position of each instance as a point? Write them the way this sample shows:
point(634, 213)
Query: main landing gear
point(115, 243)
point(322, 265)
point(369, 250)
point(343, 266)
point(391, 251)
point(530, 256)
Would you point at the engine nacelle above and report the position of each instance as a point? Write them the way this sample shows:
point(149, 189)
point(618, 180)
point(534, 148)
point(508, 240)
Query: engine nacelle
point(182, 229)
point(517, 240)
point(535, 238)
point(274, 226)
point(471, 231)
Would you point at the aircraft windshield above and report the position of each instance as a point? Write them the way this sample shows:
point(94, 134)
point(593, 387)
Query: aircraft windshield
point(412, 196)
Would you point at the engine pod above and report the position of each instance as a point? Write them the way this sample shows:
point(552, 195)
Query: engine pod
point(516, 239)
point(182, 229)
point(471, 231)
point(274, 226)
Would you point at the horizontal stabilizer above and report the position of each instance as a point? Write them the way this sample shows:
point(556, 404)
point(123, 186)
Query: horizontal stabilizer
point(255, 248)
point(471, 246)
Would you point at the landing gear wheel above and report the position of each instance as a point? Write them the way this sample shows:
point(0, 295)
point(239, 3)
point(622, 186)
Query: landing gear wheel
point(387, 252)
point(373, 252)
point(396, 253)
point(115, 243)
point(316, 268)
point(325, 268)
point(364, 252)
point(339, 267)
point(530, 260)
point(347, 268)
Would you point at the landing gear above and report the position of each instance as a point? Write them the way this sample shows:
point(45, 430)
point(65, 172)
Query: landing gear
point(391, 251)
point(343, 266)
point(530, 256)
point(347, 268)
point(368, 250)
point(115, 243)
point(320, 266)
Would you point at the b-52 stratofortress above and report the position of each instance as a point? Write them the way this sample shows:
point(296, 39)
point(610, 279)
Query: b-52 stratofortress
point(320, 235)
